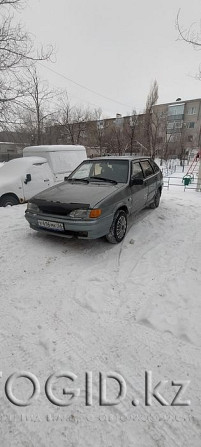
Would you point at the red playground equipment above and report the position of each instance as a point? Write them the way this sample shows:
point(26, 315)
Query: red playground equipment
point(194, 163)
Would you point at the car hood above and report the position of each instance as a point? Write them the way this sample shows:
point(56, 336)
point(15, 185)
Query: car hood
point(77, 193)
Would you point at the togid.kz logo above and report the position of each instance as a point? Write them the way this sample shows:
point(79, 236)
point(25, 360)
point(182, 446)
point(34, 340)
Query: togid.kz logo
point(72, 393)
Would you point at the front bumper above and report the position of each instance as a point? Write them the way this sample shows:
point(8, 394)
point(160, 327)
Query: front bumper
point(82, 229)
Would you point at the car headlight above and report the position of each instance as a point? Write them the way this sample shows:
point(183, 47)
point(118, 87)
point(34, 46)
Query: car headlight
point(32, 207)
point(79, 214)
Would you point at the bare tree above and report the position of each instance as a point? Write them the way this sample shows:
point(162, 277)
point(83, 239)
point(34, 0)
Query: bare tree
point(131, 131)
point(37, 108)
point(96, 131)
point(115, 140)
point(16, 53)
point(119, 139)
point(177, 143)
point(189, 35)
point(151, 118)
point(165, 153)
point(73, 121)
point(10, 2)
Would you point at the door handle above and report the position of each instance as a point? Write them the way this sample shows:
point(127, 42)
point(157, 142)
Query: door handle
point(47, 180)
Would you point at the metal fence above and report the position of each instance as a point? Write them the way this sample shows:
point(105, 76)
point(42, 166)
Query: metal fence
point(172, 168)
point(170, 181)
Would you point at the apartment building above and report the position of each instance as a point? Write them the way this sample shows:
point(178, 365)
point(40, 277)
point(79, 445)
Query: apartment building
point(175, 132)
point(175, 128)
point(181, 125)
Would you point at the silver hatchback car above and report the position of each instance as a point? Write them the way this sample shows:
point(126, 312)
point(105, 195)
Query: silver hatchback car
point(97, 198)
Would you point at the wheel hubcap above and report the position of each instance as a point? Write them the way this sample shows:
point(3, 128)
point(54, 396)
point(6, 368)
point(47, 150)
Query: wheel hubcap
point(121, 227)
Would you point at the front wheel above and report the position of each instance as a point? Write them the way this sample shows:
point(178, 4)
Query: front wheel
point(9, 200)
point(118, 228)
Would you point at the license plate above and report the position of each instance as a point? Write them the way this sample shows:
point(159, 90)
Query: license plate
point(57, 226)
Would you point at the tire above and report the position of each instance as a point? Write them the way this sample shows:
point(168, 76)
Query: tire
point(118, 228)
point(156, 201)
point(9, 200)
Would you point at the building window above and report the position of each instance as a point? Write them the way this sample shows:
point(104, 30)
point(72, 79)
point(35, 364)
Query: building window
point(192, 111)
point(178, 124)
point(190, 125)
point(133, 121)
point(176, 109)
point(174, 125)
point(190, 138)
point(162, 114)
point(170, 125)
point(100, 124)
point(175, 137)
point(119, 120)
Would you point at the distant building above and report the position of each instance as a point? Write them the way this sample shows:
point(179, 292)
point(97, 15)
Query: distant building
point(175, 127)
point(9, 150)
point(182, 124)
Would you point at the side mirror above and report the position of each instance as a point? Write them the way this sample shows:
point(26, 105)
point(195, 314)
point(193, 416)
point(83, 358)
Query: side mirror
point(136, 181)
point(27, 179)
point(66, 178)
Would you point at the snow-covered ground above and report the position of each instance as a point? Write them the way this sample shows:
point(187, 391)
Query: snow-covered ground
point(72, 305)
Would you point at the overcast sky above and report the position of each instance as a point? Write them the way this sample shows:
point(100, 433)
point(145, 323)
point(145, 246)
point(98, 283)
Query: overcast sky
point(117, 48)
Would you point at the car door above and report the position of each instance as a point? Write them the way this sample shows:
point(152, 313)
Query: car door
point(138, 192)
point(150, 179)
point(40, 178)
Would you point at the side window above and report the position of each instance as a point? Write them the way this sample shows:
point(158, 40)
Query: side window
point(137, 170)
point(154, 166)
point(40, 171)
point(147, 169)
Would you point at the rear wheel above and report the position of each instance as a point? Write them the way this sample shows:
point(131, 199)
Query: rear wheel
point(9, 200)
point(118, 228)
point(156, 201)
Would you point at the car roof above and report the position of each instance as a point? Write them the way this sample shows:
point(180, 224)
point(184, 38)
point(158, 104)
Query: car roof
point(121, 157)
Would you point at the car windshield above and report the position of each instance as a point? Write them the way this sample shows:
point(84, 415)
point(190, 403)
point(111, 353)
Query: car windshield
point(114, 171)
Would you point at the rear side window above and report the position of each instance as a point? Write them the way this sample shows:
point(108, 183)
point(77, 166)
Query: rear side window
point(147, 169)
point(137, 170)
point(154, 166)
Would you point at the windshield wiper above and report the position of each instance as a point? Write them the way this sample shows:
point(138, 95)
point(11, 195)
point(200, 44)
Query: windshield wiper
point(78, 180)
point(103, 179)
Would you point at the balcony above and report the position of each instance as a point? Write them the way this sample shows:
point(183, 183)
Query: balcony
point(175, 117)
